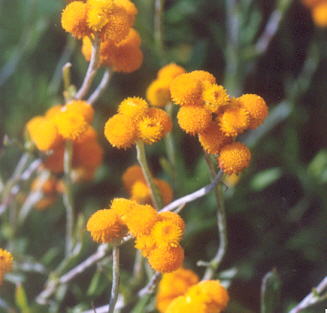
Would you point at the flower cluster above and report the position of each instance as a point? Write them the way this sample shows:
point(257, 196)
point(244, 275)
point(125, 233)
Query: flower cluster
point(135, 184)
point(136, 121)
point(62, 123)
point(6, 263)
point(318, 11)
point(113, 20)
point(208, 111)
point(181, 280)
point(208, 296)
point(158, 93)
point(157, 234)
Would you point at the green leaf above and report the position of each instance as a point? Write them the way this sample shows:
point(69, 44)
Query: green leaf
point(141, 304)
point(270, 292)
point(318, 165)
point(265, 178)
point(21, 299)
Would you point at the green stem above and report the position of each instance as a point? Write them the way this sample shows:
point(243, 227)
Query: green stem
point(158, 29)
point(68, 196)
point(115, 278)
point(155, 193)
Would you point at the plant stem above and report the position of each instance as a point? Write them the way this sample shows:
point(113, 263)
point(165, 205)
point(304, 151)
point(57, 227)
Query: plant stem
point(155, 193)
point(68, 196)
point(115, 279)
point(158, 29)
point(102, 86)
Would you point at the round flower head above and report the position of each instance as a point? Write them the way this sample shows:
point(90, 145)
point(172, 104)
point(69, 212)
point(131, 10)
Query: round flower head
point(135, 108)
point(256, 107)
point(170, 72)
point(145, 243)
point(319, 14)
point(88, 154)
point(105, 226)
point(166, 260)
point(80, 107)
point(130, 9)
point(6, 262)
point(131, 175)
point(158, 93)
point(74, 19)
point(90, 135)
point(133, 38)
point(214, 96)
point(182, 279)
point(161, 117)
point(186, 89)
point(141, 193)
point(211, 293)
point(165, 190)
point(166, 234)
point(50, 113)
point(123, 207)
point(163, 216)
point(129, 58)
point(234, 158)
point(233, 121)
point(98, 14)
point(212, 138)
point(120, 131)
point(183, 304)
point(193, 119)
point(141, 220)
point(203, 76)
point(149, 130)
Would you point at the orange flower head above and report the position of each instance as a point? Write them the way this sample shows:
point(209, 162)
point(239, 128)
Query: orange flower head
point(170, 72)
point(87, 154)
point(120, 131)
point(105, 226)
point(135, 108)
point(80, 107)
point(183, 304)
point(141, 220)
point(256, 108)
point(319, 14)
point(214, 96)
point(182, 279)
point(70, 125)
point(99, 12)
point(174, 217)
point(186, 89)
point(50, 113)
point(161, 117)
point(129, 58)
point(131, 175)
point(234, 158)
point(211, 293)
point(130, 8)
point(158, 93)
point(149, 130)
point(74, 19)
point(55, 162)
point(145, 243)
point(212, 138)
point(166, 234)
point(233, 121)
point(193, 119)
point(133, 39)
point(90, 135)
point(6, 262)
point(141, 193)
point(203, 76)
point(165, 190)
point(123, 207)
point(166, 260)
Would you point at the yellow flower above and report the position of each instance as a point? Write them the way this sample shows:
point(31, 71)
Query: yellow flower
point(158, 93)
point(50, 113)
point(203, 76)
point(123, 207)
point(319, 14)
point(130, 8)
point(149, 130)
point(145, 243)
point(166, 234)
point(170, 72)
point(164, 216)
point(234, 158)
point(214, 96)
point(106, 226)
point(99, 11)
point(135, 108)
point(182, 304)
point(141, 193)
point(166, 260)
point(131, 175)
point(161, 117)
point(74, 19)
point(80, 107)
point(6, 262)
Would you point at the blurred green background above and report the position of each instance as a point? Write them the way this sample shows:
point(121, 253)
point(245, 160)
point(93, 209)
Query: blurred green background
point(276, 213)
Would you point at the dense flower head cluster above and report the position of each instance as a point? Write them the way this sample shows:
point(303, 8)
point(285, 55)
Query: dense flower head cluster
point(135, 184)
point(6, 263)
point(136, 121)
point(157, 234)
point(208, 111)
point(207, 296)
point(318, 11)
point(68, 122)
point(173, 285)
point(158, 93)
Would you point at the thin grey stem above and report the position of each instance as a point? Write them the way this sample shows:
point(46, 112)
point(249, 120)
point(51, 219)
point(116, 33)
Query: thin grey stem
point(149, 288)
point(102, 86)
point(115, 279)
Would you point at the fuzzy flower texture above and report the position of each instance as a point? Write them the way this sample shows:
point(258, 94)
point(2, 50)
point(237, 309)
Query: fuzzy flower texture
point(6, 263)
point(157, 234)
point(113, 21)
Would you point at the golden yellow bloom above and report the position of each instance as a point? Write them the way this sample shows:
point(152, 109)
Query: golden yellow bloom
point(141, 220)
point(211, 293)
point(74, 19)
point(87, 154)
point(89, 135)
point(165, 190)
point(164, 216)
point(123, 207)
point(158, 93)
point(193, 118)
point(203, 76)
point(170, 72)
point(98, 14)
point(149, 130)
point(212, 138)
point(166, 234)
point(80, 107)
point(141, 193)
point(6, 262)
point(256, 107)
point(129, 58)
point(105, 226)
point(214, 96)
point(133, 38)
point(319, 14)
point(120, 131)
point(130, 8)
point(182, 279)
point(186, 89)
point(183, 304)
point(166, 260)
point(234, 158)
point(50, 113)
point(145, 243)
point(131, 175)
point(161, 117)
point(135, 108)
point(233, 121)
